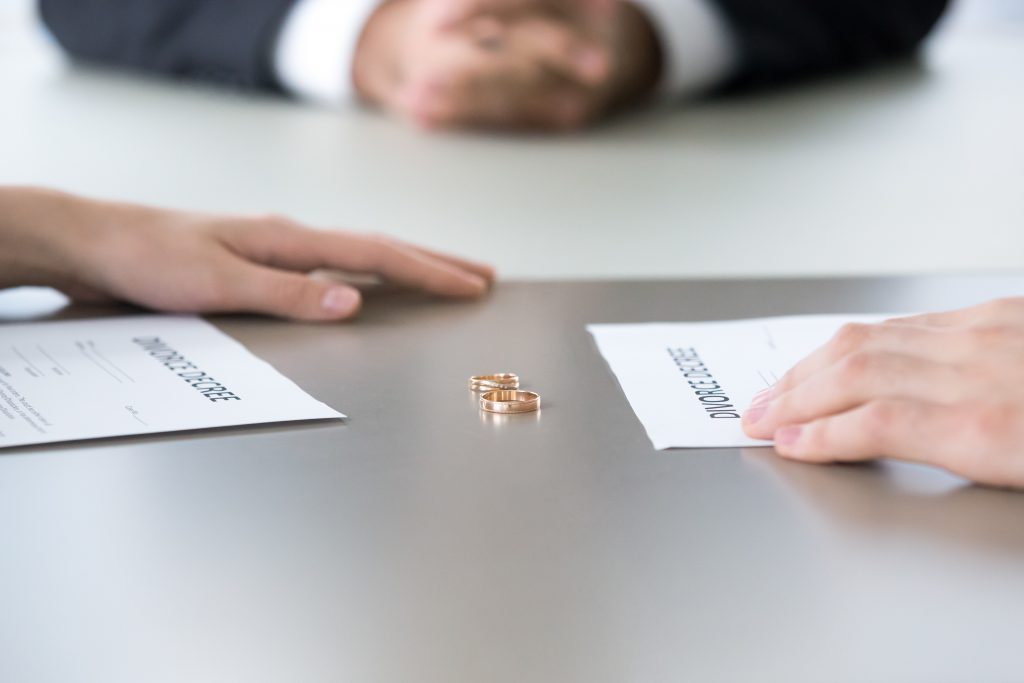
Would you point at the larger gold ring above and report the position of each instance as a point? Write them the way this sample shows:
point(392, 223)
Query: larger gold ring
point(505, 380)
point(508, 402)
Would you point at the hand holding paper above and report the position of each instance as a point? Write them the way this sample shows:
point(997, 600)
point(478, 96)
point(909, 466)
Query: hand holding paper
point(942, 389)
point(689, 383)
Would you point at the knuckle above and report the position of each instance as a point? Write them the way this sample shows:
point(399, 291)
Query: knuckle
point(997, 305)
point(784, 406)
point(859, 365)
point(987, 337)
point(382, 242)
point(983, 423)
point(275, 221)
point(814, 439)
point(1000, 307)
point(786, 383)
point(213, 291)
point(851, 337)
point(371, 253)
point(985, 434)
point(878, 420)
point(269, 234)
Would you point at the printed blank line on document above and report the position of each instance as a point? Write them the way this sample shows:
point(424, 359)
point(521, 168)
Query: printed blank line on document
point(53, 360)
point(101, 361)
point(19, 354)
point(92, 347)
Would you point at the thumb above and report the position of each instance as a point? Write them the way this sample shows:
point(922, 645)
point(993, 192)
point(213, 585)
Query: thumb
point(258, 289)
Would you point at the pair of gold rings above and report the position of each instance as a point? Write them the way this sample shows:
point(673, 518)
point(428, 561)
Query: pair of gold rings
point(502, 395)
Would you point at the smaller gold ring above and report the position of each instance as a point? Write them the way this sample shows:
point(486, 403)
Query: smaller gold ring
point(504, 401)
point(506, 380)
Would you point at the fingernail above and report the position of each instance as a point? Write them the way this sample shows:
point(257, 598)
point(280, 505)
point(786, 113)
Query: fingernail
point(340, 300)
point(755, 412)
point(758, 407)
point(787, 436)
point(479, 284)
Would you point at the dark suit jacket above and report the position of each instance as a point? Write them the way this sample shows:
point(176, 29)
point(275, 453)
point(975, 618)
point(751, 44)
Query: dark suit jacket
point(785, 39)
point(228, 41)
point(232, 40)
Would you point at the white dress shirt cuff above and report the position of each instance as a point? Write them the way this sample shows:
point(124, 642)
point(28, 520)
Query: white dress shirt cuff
point(696, 43)
point(316, 48)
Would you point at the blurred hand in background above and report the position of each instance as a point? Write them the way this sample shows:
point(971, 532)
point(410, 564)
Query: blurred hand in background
point(509, 64)
point(519, 64)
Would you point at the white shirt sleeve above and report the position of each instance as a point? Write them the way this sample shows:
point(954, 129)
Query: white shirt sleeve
point(696, 42)
point(317, 45)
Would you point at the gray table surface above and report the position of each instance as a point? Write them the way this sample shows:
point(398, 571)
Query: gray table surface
point(420, 541)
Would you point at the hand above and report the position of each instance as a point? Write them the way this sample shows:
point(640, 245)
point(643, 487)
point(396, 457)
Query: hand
point(944, 389)
point(513, 64)
point(185, 262)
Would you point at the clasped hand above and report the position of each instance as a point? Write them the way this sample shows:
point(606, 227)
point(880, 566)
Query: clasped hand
point(527, 64)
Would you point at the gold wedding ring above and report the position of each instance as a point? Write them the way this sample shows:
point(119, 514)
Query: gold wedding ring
point(508, 402)
point(502, 381)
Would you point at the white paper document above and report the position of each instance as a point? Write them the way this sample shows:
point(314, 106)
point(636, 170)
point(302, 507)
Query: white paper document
point(89, 379)
point(690, 383)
